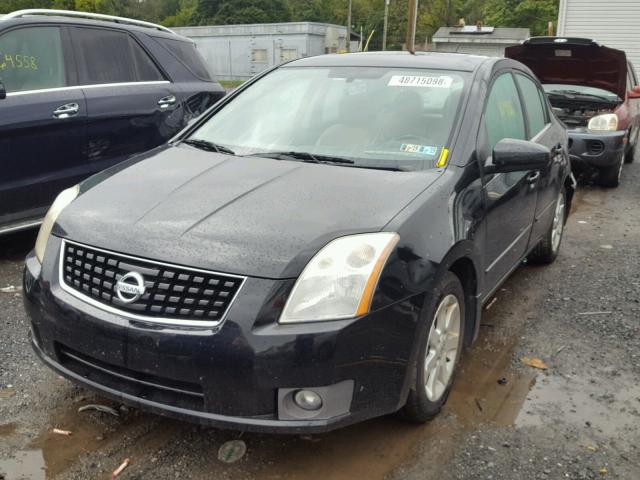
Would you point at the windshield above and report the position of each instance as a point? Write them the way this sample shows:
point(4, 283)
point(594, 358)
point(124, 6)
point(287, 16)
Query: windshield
point(596, 93)
point(372, 117)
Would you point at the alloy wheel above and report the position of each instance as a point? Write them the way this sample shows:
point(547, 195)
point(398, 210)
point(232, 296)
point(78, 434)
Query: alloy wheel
point(558, 223)
point(442, 348)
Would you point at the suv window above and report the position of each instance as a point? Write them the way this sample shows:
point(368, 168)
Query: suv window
point(108, 56)
point(187, 53)
point(536, 109)
point(32, 59)
point(503, 115)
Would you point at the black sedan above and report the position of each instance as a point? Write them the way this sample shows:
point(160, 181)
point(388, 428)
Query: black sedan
point(314, 251)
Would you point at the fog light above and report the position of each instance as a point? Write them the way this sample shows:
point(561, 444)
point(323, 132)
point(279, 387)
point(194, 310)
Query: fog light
point(307, 400)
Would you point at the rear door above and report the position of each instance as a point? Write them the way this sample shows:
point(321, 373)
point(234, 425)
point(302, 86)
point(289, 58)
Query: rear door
point(510, 197)
point(42, 121)
point(132, 104)
point(202, 90)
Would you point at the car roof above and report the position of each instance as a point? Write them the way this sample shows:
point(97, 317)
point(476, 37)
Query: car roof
point(61, 20)
point(434, 60)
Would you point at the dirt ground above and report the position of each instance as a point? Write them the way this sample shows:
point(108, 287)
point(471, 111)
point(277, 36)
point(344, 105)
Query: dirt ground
point(579, 419)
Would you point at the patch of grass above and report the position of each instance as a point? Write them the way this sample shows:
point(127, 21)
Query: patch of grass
point(227, 84)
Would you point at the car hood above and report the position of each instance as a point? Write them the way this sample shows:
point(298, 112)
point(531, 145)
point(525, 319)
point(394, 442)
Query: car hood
point(574, 62)
point(245, 215)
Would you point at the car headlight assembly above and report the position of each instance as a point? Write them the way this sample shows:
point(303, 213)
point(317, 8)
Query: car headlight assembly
point(63, 199)
point(606, 122)
point(340, 280)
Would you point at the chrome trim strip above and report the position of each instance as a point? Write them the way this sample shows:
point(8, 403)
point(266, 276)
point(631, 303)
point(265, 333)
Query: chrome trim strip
point(19, 227)
point(75, 87)
point(87, 15)
point(164, 321)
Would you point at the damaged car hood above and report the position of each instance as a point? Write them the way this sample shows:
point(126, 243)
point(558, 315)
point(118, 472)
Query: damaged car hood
point(244, 215)
point(571, 61)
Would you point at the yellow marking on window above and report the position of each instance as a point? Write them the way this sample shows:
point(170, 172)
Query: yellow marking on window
point(444, 155)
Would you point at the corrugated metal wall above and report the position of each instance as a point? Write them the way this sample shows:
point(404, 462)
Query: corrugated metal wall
point(238, 52)
point(488, 49)
point(614, 23)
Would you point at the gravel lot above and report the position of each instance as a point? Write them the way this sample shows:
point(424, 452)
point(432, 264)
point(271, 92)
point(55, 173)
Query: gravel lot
point(579, 419)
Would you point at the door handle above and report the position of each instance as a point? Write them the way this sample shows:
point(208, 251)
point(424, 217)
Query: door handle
point(533, 177)
point(66, 111)
point(167, 101)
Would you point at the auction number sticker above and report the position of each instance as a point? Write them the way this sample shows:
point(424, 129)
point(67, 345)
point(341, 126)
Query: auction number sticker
point(419, 81)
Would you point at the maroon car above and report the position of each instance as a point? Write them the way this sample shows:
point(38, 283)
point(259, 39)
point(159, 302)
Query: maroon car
point(595, 92)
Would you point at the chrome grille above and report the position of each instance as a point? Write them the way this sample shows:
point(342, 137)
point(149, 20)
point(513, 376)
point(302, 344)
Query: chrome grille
point(173, 293)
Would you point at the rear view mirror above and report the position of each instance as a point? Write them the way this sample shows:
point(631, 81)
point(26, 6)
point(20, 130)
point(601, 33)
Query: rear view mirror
point(511, 155)
point(3, 91)
point(634, 92)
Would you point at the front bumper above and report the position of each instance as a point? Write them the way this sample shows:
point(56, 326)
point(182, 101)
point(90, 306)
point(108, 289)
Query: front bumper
point(238, 375)
point(596, 149)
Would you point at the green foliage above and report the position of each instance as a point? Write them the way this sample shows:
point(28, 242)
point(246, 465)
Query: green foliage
point(367, 15)
point(534, 14)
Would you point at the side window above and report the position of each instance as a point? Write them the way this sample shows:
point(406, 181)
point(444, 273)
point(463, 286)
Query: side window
point(32, 59)
point(503, 114)
point(107, 56)
point(536, 109)
point(187, 53)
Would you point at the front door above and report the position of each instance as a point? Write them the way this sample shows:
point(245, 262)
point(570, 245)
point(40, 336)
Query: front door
point(510, 197)
point(42, 122)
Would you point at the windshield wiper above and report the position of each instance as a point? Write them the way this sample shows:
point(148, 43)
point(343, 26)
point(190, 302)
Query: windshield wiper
point(304, 156)
point(208, 146)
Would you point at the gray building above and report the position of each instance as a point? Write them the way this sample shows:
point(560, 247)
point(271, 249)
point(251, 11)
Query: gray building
point(238, 52)
point(614, 23)
point(488, 41)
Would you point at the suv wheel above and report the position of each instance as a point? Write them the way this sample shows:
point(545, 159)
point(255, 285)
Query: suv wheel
point(630, 155)
point(547, 250)
point(438, 353)
point(610, 176)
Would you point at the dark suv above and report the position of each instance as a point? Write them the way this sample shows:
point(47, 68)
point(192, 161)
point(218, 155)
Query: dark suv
point(81, 92)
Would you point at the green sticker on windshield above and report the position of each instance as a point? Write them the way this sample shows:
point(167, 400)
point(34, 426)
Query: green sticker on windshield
point(419, 149)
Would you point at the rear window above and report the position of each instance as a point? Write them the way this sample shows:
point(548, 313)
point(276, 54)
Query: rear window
point(189, 56)
point(107, 56)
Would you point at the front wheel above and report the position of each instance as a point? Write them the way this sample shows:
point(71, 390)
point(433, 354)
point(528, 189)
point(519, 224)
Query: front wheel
point(547, 250)
point(439, 351)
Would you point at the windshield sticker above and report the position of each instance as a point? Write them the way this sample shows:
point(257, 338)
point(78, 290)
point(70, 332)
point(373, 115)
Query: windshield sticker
point(563, 53)
point(442, 161)
point(419, 149)
point(417, 81)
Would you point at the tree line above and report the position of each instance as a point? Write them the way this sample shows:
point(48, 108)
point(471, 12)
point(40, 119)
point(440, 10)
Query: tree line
point(367, 15)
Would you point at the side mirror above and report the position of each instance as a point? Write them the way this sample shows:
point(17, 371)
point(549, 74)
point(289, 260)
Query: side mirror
point(511, 155)
point(634, 93)
point(3, 91)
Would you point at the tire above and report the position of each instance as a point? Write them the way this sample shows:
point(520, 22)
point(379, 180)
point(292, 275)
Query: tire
point(630, 155)
point(610, 176)
point(423, 403)
point(547, 250)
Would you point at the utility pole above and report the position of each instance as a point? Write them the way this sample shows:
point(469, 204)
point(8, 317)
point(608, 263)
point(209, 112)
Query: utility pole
point(349, 27)
point(412, 19)
point(386, 22)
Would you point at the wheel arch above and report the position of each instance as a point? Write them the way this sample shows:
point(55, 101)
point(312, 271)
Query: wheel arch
point(465, 270)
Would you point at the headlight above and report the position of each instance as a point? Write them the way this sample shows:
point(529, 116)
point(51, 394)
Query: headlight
point(608, 121)
point(63, 199)
point(340, 279)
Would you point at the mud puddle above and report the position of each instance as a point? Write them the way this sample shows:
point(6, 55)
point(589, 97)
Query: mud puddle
point(371, 450)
